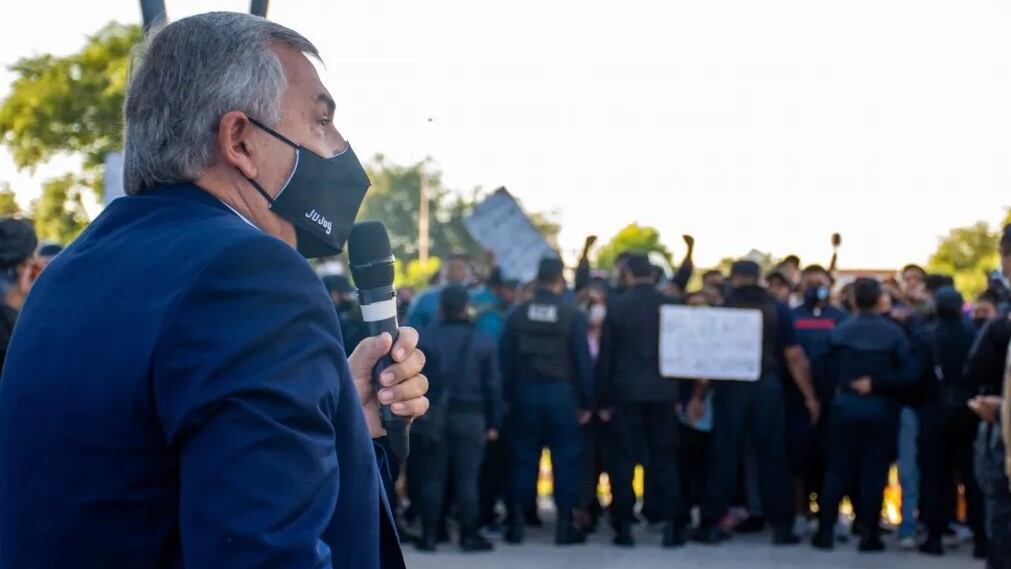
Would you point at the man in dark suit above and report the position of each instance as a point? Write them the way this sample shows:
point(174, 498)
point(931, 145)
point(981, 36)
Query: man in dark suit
point(199, 409)
point(639, 403)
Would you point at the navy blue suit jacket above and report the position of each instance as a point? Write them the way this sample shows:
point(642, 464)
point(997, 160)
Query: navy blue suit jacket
point(176, 395)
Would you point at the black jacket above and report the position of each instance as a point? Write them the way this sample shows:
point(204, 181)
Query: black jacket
point(985, 368)
point(871, 345)
point(472, 379)
point(628, 367)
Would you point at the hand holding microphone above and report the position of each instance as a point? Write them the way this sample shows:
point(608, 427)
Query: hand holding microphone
point(387, 366)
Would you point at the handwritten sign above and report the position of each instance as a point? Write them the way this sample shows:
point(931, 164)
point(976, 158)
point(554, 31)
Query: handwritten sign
point(501, 227)
point(711, 343)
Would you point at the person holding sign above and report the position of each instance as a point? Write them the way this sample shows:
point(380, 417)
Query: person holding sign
point(756, 409)
point(639, 403)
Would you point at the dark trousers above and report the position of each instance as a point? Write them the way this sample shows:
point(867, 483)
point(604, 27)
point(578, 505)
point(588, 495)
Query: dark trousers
point(495, 474)
point(461, 450)
point(945, 453)
point(592, 465)
point(862, 438)
point(742, 411)
point(693, 453)
point(993, 481)
point(546, 414)
point(652, 427)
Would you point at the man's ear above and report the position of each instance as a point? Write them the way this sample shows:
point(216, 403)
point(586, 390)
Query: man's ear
point(234, 145)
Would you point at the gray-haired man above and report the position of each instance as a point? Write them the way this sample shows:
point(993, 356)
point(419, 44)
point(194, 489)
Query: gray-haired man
point(201, 411)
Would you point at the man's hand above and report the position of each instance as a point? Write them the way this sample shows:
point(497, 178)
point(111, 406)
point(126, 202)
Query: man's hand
point(590, 240)
point(491, 435)
point(605, 415)
point(987, 407)
point(689, 241)
point(585, 416)
point(862, 385)
point(696, 409)
point(814, 409)
point(403, 386)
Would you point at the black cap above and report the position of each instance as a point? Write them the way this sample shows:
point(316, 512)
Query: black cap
point(50, 250)
point(338, 283)
point(949, 303)
point(453, 300)
point(550, 269)
point(745, 269)
point(17, 241)
point(777, 275)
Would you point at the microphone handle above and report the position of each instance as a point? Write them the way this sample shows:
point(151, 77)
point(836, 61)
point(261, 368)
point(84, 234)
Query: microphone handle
point(396, 427)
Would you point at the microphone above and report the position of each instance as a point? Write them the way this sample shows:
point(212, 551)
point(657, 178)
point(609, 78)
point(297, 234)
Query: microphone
point(371, 260)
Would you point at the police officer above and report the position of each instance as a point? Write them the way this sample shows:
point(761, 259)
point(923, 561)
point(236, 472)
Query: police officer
point(17, 273)
point(985, 369)
point(870, 362)
point(947, 425)
point(813, 322)
point(490, 318)
point(466, 410)
point(639, 404)
point(755, 409)
point(343, 295)
point(548, 375)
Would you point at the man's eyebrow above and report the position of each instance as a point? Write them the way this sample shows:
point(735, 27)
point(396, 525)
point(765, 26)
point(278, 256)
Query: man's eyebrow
point(328, 101)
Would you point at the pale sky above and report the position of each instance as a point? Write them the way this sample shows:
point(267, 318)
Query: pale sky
point(751, 124)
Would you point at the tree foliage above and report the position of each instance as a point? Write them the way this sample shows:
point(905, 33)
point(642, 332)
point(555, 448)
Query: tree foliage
point(59, 213)
point(634, 237)
point(968, 254)
point(70, 105)
point(8, 204)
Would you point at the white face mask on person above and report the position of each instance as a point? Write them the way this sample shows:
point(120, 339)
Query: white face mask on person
point(597, 314)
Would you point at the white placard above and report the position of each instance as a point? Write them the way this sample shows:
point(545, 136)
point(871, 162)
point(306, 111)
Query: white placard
point(711, 343)
point(500, 226)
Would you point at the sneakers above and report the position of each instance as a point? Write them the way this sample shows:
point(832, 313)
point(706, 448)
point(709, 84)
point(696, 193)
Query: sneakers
point(474, 543)
point(933, 546)
point(709, 534)
point(907, 543)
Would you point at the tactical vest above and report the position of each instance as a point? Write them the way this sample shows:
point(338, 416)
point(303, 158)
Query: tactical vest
point(542, 339)
point(756, 298)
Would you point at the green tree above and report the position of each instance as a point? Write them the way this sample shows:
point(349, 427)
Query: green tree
point(59, 213)
point(634, 237)
point(395, 199)
point(8, 204)
point(968, 254)
point(70, 105)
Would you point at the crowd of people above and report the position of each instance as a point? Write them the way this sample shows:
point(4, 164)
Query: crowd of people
point(854, 379)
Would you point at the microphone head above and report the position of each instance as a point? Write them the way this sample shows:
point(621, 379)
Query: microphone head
point(370, 255)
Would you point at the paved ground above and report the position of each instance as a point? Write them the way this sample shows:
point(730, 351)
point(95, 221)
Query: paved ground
point(744, 552)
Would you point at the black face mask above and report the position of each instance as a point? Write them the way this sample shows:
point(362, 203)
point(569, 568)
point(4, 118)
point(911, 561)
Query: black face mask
point(815, 296)
point(321, 197)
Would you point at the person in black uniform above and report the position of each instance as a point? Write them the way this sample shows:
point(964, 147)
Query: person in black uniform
point(17, 272)
point(813, 323)
point(985, 370)
point(947, 425)
point(353, 329)
point(755, 409)
point(870, 361)
point(639, 404)
point(466, 410)
point(548, 376)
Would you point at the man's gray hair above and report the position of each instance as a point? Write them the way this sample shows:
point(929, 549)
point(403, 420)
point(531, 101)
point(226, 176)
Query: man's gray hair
point(191, 73)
